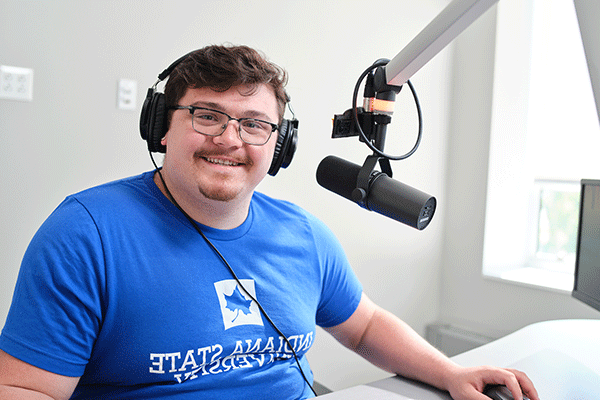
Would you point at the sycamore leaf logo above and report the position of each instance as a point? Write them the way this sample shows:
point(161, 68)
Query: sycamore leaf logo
point(236, 309)
point(238, 303)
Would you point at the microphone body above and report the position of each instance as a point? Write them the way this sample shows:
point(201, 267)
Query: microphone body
point(384, 195)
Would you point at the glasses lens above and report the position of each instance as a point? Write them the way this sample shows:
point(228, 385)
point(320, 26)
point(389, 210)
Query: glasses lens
point(254, 131)
point(209, 122)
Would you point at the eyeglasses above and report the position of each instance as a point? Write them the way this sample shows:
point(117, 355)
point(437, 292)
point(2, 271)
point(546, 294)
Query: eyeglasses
point(213, 123)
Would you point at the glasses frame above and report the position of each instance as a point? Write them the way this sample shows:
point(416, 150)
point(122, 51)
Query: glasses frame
point(192, 109)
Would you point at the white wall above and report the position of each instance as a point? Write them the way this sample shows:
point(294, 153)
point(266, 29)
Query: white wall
point(72, 136)
point(466, 297)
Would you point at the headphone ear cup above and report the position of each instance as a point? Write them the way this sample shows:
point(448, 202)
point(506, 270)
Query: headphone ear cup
point(285, 147)
point(153, 121)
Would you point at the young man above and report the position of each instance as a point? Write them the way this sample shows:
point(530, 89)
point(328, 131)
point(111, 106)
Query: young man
point(184, 282)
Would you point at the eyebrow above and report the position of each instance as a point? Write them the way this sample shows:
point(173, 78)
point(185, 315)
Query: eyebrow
point(246, 114)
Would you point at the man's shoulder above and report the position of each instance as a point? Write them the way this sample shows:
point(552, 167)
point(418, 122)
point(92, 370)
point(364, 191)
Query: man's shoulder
point(116, 196)
point(286, 212)
point(277, 207)
point(136, 182)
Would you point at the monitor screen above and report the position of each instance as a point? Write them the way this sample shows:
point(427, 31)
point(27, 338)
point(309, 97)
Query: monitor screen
point(587, 264)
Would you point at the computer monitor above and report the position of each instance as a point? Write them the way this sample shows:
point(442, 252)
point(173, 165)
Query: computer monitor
point(587, 262)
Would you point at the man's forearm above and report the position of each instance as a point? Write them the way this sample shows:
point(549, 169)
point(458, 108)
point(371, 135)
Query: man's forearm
point(394, 346)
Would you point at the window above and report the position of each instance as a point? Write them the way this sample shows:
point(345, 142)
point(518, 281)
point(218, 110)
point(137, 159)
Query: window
point(544, 140)
point(557, 214)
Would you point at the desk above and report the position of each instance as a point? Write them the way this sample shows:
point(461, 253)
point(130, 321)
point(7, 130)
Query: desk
point(561, 357)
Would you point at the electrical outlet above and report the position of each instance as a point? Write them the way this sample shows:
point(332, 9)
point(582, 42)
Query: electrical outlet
point(16, 83)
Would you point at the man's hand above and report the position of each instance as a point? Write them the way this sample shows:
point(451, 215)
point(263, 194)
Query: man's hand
point(469, 383)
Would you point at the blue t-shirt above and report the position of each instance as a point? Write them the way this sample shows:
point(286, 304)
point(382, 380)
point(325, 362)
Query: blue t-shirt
point(117, 287)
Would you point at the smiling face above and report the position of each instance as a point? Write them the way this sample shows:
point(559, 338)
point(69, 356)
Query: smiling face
point(220, 168)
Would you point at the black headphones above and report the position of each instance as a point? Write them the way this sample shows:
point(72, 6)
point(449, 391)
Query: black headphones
point(153, 125)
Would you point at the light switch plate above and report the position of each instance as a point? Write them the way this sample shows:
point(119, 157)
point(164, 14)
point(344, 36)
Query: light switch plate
point(126, 94)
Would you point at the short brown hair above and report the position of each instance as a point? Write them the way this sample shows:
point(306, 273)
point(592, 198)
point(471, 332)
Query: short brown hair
point(220, 67)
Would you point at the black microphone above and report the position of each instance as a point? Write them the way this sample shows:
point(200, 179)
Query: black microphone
point(384, 195)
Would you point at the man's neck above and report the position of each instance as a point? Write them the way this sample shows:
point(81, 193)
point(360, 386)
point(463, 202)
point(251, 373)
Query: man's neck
point(213, 213)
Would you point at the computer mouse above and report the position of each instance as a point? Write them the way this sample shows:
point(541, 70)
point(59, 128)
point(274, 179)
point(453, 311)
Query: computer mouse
point(500, 392)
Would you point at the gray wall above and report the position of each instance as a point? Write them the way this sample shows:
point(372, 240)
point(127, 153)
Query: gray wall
point(72, 136)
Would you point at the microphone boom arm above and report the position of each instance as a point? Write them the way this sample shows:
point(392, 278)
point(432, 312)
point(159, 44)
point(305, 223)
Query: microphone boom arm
point(446, 26)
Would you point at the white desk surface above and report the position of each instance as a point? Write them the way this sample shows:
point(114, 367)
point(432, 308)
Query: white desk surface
point(561, 357)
